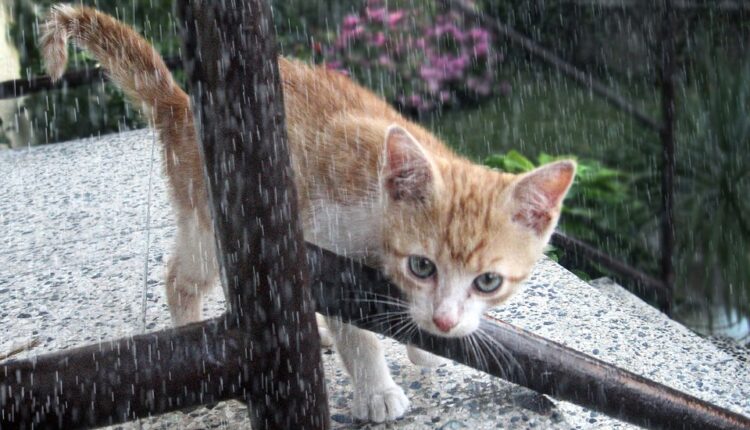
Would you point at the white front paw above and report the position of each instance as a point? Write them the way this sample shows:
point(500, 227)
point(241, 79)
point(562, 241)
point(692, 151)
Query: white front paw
point(423, 358)
point(385, 404)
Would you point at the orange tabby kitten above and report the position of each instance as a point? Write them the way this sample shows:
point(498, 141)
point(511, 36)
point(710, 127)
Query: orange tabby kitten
point(456, 237)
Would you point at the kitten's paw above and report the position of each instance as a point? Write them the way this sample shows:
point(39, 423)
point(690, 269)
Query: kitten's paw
point(424, 358)
point(385, 404)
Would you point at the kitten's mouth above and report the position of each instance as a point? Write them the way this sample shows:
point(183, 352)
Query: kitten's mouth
point(458, 330)
point(423, 315)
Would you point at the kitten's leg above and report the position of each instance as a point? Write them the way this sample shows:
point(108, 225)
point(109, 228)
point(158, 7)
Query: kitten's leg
point(326, 338)
point(376, 397)
point(423, 358)
point(191, 271)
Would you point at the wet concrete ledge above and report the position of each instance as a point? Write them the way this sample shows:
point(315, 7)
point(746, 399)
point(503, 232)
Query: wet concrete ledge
point(82, 260)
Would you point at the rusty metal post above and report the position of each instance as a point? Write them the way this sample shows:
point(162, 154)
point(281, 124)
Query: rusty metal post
point(234, 80)
point(667, 136)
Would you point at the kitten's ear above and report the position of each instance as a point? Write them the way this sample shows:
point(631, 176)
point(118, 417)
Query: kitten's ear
point(538, 195)
point(407, 171)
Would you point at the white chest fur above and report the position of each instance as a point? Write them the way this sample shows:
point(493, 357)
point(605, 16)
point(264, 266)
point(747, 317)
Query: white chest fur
point(352, 230)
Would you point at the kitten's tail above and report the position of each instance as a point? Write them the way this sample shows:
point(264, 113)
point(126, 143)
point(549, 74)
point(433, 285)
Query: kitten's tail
point(131, 62)
point(134, 65)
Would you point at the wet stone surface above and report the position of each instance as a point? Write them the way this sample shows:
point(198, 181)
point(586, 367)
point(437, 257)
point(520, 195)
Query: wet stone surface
point(77, 259)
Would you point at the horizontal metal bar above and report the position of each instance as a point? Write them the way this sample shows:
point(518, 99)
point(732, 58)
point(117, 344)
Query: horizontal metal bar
point(546, 56)
point(661, 291)
point(682, 5)
point(346, 288)
point(72, 79)
point(155, 373)
point(118, 381)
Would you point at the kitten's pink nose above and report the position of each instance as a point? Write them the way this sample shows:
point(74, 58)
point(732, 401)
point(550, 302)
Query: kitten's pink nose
point(444, 323)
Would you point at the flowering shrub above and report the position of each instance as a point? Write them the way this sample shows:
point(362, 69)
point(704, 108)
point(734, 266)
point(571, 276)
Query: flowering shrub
point(417, 59)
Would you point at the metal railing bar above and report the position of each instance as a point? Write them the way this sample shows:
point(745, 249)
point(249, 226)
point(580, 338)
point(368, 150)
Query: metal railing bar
point(617, 267)
point(342, 289)
point(721, 6)
point(71, 79)
point(667, 136)
point(544, 55)
point(203, 363)
point(118, 381)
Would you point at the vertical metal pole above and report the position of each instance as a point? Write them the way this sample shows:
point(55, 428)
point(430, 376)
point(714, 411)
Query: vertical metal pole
point(667, 135)
point(234, 80)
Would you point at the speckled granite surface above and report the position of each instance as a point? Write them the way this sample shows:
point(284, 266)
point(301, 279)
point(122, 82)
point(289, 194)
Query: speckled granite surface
point(79, 263)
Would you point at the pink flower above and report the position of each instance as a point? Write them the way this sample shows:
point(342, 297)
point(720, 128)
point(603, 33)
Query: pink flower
point(395, 17)
point(414, 100)
point(429, 73)
point(434, 85)
point(347, 35)
point(353, 33)
point(449, 29)
point(333, 65)
point(378, 40)
point(400, 46)
point(458, 64)
point(337, 66)
point(481, 49)
point(436, 59)
point(426, 105)
point(479, 86)
point(376, 14)
point(351, 21)
point(479, 34)
point(385, 60)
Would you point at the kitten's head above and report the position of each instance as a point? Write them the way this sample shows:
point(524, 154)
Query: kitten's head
point(459, 237)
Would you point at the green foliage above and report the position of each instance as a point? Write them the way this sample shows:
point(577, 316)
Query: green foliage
point(595, 187)
point(713, 179)
point(511, 162)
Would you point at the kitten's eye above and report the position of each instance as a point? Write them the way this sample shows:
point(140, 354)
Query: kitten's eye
point(488, 282)
point(421, 267)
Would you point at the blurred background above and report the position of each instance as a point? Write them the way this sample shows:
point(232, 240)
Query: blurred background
point(453, 67)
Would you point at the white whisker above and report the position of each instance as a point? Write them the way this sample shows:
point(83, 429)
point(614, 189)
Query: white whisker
point(408, 323)
point(387, 303)
point(382, 319)
point(512, 365)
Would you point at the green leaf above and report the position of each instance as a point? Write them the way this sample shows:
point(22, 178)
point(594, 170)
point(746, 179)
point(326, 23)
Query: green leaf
point(512, 162)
